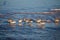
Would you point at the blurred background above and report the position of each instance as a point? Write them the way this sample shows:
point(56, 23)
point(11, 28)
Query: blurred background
point(29, 19)
point(28, 5)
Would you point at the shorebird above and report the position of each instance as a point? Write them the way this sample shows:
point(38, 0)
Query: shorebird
point(57, 20)
point(28, 20)
point(38, 21)
point(20, 21)
point(11, 21)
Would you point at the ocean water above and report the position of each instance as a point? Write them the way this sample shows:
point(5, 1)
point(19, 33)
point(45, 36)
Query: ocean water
point(51, 31)
point(28, 5)
point(10, 9)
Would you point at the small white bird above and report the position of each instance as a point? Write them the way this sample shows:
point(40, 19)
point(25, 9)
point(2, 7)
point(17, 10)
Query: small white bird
point(57, 20)
point(10, 20)
point(13, 22)
point(38, 21)
point(20, 21)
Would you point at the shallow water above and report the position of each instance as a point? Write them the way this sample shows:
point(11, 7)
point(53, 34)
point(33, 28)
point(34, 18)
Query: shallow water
point(9, 9)
point(26, 32)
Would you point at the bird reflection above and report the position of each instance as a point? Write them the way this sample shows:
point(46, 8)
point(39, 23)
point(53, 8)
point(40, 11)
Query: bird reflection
point(41, 23)
point(48, 21)
point(28, 21)
point(20, 22)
